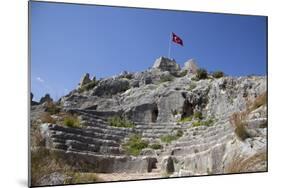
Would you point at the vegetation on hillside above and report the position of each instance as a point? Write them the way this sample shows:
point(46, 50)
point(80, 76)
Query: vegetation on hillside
point(134, 145)
point(117, 121)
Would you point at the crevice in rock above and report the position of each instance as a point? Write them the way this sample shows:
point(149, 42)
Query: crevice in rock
point(187, 109)
point(151, 164)
point(154, 114)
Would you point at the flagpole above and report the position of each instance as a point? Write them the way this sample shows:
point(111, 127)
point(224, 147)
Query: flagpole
point(169, 46)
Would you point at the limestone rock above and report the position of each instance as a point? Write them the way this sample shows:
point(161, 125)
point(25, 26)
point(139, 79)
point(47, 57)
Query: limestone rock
point(111, 86)
point(85, 80)
point(166, 64)
point(191, 66)
point(162, 108)
point(143, 113)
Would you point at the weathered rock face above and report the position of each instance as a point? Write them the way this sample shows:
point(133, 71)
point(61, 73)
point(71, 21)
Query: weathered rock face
point(46, 98)
point(144, 113)
point(166, 64)
point(85, 80)
point(157, 107)
point(111, 87)
point(191, 66)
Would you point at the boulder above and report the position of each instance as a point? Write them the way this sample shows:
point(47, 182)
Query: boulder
point(191, 66)
point(166, 64)
point(110, 87)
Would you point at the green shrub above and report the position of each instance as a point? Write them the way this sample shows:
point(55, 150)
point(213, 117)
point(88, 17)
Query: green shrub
point(71, 121)
point(198, 115)
point(134, 145)
point(166, 78)
point(218, 74)
point(171, 137)
point(168, 138)
point(156, 146)
point(88, 86)
point(196, 123)
point(194, 79)
point(201, 74)
point(117, 121)
point(81, 177)
point(208, 122)
point(185, 119)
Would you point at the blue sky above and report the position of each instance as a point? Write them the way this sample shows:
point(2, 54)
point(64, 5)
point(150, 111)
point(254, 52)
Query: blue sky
point(69, 40)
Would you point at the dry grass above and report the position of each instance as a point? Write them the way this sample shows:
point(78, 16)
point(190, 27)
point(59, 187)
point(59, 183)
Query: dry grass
point(259, 101)
point(81, 177)
point(44, 162)
point(239, 164)
point(52, 108)
point(47, 118)
point(36, 138)
point(238, 121)
point(73, 121)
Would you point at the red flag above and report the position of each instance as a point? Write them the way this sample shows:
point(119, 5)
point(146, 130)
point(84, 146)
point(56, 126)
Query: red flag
point(177, 39)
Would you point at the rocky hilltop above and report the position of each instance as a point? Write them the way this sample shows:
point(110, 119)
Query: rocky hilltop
point(167, 121)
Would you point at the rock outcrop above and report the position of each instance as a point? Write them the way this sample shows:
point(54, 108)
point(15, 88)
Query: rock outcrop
point(46, 98)
point(191, 66)
point(85, 80)
point(166, 64)
point(186, 122)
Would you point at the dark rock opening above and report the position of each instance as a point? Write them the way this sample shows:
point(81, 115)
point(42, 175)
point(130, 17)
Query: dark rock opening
point(154, 114)
point(151, 164)
point(187, 109)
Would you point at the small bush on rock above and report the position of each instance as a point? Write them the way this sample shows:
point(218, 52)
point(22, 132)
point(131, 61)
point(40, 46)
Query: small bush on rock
point(198, 123)
point(201, 74)
point(238, 121)
point(134, 145)
point(218, 74)
point(166, 78)
point(171, 137)
point(88, 86)
point(198, 115)
point(185, 119)
point(71, 121)
point(81, 177)
point(156, 146)
point(117, 121)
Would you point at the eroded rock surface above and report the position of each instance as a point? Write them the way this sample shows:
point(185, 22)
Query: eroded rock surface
point(161, 102)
